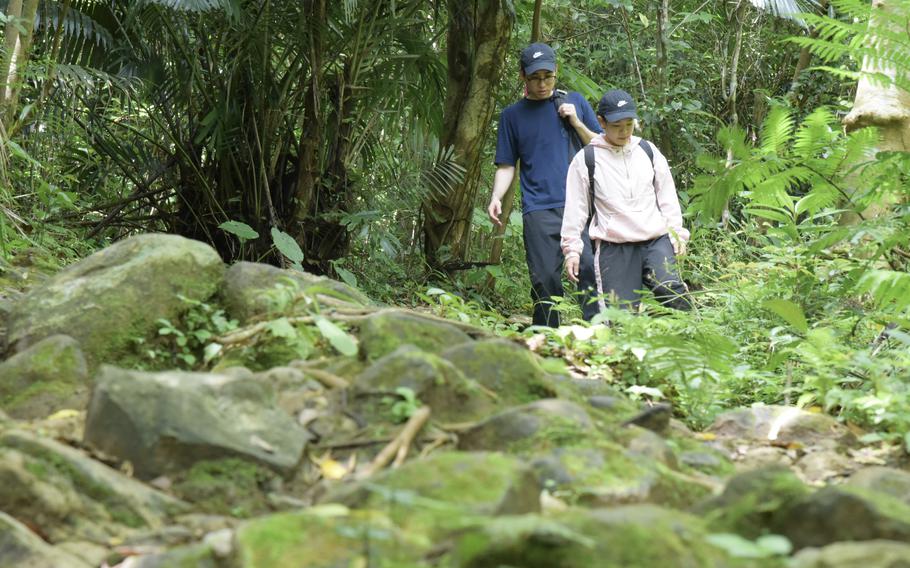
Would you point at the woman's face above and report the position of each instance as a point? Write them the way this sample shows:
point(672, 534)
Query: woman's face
point(617, 133)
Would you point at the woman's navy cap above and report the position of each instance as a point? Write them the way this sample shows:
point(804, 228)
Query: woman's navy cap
point(616, 105)
point(538, 56)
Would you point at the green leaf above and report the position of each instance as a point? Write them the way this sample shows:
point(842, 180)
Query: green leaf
point(281, 327)
point(287, 246)
point(211, 351)
point(241, 230)
point(337, 337)
point(346, 276)
point(791, 312)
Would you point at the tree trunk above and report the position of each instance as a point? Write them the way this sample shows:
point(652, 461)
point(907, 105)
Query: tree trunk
point(478, 35)
point(662, 72)
point(11, 41)
point(885, 106)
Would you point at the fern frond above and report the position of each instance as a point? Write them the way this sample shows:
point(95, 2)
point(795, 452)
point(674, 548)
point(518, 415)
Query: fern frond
point(776, 130)
point(887, 287)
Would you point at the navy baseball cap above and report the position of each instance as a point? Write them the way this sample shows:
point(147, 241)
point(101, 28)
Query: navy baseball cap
point(538, 56)
point(616, 105)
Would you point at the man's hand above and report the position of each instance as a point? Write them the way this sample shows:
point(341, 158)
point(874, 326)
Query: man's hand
point(572, 267)
point(494, 210)
point(567, 110)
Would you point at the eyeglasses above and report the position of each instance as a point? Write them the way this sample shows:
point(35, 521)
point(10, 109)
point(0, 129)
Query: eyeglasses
point(541, 79)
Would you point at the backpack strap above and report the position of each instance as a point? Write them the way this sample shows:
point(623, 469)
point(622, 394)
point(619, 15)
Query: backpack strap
point(559, 98)
point(589, 162)
point(646, 146)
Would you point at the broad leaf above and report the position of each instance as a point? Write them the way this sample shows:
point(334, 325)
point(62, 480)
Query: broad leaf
point(337, 337)
point(789, 311)
point(287, 246)
point(240, 230)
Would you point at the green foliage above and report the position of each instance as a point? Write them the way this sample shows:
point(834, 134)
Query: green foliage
point(403, 405)
point(189, 343)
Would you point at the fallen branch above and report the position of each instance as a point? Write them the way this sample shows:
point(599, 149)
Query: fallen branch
point(398, 448)
point(330, 380)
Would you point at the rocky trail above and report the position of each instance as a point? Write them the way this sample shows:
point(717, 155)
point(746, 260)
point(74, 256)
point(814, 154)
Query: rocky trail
point(333, 432)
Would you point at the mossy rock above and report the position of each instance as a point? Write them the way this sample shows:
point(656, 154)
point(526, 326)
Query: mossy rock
point(225, 487)
point(253, 289)
point(433, 380)
point(22, 548)
point(634, 536)
point(755, 502)
point(442, 491)
point(530, 428)
point(603, 474)
point(504, 367)
point(326, 536)
point(868, 554)
point(117, 295)
point(784, 424)
point(386, 331)
point(165, 422)
point(839, 513)
point(887, 480)
point(191, 556)
point(70, 495)
point(50, 375)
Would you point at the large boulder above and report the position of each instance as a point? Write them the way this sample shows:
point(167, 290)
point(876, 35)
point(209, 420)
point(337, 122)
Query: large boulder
point(385, 331)
point(431, 495)
point(755, 502)
point(433, 380)
point(253, 289)
point(838, 513)
point(164, 422)
point(505, 368)
point(22, 548)
point(48, 376)
point(887, 480)
point(69, 495)
point(782, 426)
point(117, 295)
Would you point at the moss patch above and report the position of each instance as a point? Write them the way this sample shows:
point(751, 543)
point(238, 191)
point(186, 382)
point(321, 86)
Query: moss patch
point(225, 487)
point(326, 536)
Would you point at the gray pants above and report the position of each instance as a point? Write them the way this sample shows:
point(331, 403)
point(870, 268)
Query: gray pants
point(626, 268)
point(545, 265)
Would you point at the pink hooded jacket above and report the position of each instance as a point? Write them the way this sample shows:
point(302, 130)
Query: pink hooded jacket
point(628, 191)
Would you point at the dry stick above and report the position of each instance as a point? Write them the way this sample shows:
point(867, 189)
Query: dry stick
point(327, 379)
point(382, 459)
point(415, 423)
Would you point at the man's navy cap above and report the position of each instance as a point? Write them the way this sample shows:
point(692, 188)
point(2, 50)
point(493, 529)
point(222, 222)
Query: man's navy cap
point(616, 105)
point(538, 56)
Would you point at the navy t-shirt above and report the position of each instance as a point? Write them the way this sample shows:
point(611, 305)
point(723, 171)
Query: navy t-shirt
point(533, 132)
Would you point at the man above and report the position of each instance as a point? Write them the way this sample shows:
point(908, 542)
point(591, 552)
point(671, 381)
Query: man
point(535, 131)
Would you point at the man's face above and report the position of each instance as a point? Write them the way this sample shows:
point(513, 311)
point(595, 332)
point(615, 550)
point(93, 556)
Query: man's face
point(540, 84)
point(617, 133)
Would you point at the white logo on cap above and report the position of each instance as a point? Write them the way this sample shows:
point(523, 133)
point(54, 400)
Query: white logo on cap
point(537, 54)
point(621, 103)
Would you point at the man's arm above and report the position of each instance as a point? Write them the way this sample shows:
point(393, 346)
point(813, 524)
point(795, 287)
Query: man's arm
point(501, 182)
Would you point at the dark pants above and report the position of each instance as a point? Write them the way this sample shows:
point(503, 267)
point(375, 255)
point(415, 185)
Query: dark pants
point(545, 265)
point(626, 268)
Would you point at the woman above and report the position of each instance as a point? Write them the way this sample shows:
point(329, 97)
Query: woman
point(636, 223)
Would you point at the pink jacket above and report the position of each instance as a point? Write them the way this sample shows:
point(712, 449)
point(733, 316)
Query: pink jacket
point(627, 193)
